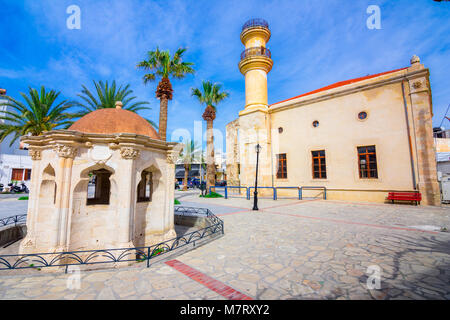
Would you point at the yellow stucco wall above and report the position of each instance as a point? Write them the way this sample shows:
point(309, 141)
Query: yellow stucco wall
point(255, 41)
point(339, 133)
point(442, 144)
point(255, 87)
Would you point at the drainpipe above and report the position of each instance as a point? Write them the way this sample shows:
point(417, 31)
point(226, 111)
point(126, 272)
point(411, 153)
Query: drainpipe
point(409, 137)
point(271, 147)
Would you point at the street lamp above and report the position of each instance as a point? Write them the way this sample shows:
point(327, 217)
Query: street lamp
point(255, 198)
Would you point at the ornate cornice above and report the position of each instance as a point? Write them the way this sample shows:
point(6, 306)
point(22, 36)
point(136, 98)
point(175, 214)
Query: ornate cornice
point(257, 31)
point(129, 153)
point(171, 158)
point(65, 151)
point(255, 63)
point(35, 154)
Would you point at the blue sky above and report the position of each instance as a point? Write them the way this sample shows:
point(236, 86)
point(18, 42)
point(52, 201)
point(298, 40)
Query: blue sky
point(314, 43)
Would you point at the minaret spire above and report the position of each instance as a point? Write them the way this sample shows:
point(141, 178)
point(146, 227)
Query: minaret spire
point(255, 63)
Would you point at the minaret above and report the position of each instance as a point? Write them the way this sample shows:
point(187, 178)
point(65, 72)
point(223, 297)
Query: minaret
point(254, 122)
point(255, 64)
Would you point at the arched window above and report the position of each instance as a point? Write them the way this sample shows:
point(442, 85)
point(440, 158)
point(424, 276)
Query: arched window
point(145, 187)
point(99, 187)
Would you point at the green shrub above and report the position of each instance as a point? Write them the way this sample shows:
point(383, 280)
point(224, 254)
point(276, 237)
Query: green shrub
point(212, 195)
point(177, 202)
point(23, 198)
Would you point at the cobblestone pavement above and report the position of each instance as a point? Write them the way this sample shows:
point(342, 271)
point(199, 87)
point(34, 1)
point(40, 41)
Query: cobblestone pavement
point(288, 250)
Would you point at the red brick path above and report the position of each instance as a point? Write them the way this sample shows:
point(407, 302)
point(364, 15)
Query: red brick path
point(207, 281)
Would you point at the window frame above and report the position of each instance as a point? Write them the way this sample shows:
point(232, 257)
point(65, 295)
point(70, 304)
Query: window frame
point(319, 158)
point(16, 170)
point(283, 173)
point(368, 169)
point(27, 175)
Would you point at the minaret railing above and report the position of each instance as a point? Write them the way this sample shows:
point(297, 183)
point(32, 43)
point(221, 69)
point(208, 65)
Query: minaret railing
point(255, 23)
point(256, 51)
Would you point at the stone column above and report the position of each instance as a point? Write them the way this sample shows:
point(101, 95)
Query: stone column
point(66, 155)
point(232, 146)
point(170, 196)
point(422, 112)
point(127, 194)
point(254, 129)
point(29, 241)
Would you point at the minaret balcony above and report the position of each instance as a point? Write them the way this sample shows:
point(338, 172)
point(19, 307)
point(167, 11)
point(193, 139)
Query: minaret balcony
point(255, 28)
point(255, 58)
point(256, 51)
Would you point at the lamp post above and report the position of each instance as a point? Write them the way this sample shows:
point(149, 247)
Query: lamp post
point(255, 198)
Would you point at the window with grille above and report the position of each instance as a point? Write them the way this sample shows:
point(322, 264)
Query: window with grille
point(367, 162)
point(27, 174)
point(319, 164)
point(282, 166)
point(17, 174)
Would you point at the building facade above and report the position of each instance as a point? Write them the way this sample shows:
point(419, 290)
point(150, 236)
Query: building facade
point(15, 163)
point(359, 138)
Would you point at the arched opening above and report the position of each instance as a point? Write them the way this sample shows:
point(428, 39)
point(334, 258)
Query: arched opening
point(94, 202)
point(47, 190)
point(47, 218)
point(99, 187)
point(145, 187)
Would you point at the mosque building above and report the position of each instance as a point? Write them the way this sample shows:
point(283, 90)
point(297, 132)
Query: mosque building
point(360, 138)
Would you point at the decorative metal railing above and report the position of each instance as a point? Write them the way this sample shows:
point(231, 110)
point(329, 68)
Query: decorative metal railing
point(256, 51)
point(103, 256)
point(255, 23)
point(13, 220)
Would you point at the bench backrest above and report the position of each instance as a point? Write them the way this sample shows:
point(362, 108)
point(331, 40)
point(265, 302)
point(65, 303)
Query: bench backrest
point(406, 195)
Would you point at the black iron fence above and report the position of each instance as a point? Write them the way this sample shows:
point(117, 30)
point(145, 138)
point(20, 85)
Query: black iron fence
point(104, 256)
point(255, 23)
point(19, 219)
point(256, 51)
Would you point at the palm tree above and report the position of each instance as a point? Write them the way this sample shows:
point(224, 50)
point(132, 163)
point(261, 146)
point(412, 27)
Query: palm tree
point(210, 96)
point(38, 114)
point(106, 96)
point(162, 65)
point(190, 153)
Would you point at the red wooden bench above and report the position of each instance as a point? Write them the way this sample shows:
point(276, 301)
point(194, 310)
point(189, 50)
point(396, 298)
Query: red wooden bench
point(405, 196)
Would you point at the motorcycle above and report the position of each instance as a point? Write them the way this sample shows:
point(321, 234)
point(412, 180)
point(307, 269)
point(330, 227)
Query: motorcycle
point(16, 189)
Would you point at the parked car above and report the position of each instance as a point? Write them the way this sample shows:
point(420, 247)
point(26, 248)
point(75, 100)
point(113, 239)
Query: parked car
point(196, 182)
point(221, 183)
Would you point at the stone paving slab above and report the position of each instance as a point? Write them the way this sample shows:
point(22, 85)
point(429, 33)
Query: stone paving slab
point(288, 250)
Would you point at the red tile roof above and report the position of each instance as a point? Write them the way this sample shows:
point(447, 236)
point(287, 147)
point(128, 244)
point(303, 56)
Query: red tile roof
point(340, 84)
point(113, 120)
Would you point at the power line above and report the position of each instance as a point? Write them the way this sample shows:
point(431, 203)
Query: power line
point(444, 116)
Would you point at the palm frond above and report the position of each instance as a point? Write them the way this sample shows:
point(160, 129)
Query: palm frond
point(38, 114)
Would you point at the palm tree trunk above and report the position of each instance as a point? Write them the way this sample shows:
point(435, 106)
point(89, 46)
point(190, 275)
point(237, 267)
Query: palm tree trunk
point(210, 165)
point(186, 174)
point(164, 93)
point(163, 117)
